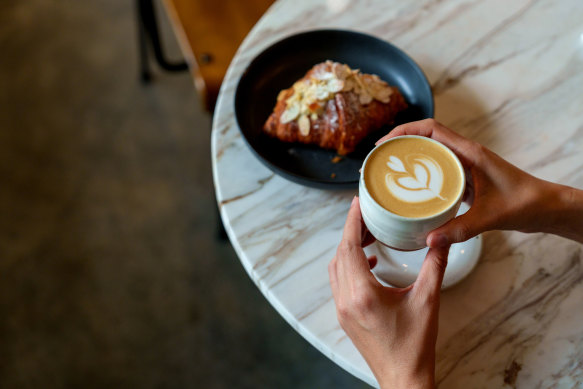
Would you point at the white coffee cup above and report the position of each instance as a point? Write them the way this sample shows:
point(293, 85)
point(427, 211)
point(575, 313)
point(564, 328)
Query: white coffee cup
point(400, 232)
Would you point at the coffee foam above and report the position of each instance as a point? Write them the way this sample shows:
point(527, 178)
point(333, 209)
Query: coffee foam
point(413, 177)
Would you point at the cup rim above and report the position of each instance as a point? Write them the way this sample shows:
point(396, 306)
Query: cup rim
point(407, 218)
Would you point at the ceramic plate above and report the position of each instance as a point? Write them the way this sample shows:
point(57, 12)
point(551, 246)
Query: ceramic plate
point(280, 65)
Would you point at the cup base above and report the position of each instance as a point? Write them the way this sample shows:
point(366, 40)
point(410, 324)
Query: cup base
point(396, 249)
point(400, 269)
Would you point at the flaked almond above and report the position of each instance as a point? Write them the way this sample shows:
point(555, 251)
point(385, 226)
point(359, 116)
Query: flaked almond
point(291, 112)
point(304, 124)
point(321, 93)
point(348, 85)
point(335, 85)
point(364, 98)
point(341, 71)
point(323, 75)
point(382, 95)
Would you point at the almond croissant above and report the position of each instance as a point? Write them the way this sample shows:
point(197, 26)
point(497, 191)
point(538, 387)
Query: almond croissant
point(333, 107)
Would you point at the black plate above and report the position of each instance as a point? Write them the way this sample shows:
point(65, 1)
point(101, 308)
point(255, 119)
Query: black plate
point(280, 65)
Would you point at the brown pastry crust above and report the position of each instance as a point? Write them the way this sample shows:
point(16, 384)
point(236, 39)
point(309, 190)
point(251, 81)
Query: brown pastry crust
point(344, 123)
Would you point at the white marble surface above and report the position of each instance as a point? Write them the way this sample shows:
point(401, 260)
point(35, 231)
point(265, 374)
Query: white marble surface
point(508, 74)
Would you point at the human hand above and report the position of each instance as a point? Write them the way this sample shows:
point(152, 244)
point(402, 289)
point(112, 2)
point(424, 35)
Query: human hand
point(395, 329)
point(503, 196)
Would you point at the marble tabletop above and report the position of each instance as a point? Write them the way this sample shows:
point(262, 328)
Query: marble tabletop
point(508, 74)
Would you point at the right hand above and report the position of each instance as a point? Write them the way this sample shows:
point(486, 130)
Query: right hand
point(503, 196)
point(395, 329)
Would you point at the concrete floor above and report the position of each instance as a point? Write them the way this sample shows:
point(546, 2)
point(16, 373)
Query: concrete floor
point(111, 275)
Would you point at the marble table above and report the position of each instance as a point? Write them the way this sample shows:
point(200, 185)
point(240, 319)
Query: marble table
point(508, 74)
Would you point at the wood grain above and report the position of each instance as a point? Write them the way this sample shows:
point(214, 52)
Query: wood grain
point(209, 32)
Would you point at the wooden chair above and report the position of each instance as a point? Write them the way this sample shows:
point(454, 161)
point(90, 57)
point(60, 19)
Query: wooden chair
point(209, 33)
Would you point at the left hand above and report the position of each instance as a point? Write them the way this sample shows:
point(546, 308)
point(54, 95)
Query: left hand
point(395, 329)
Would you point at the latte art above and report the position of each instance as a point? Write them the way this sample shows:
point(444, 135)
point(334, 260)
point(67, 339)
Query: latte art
point(422, 181)
point(414, 177)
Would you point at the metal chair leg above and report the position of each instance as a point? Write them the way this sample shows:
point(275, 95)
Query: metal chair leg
point(145, 74)
point(148, 33)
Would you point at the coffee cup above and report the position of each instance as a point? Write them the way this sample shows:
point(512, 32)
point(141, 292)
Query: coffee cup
point(409, 186)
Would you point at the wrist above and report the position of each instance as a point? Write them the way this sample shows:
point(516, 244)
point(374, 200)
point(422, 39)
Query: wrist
point(569, 221)
point(408, 384)
point(562, 211)
point(398, 380)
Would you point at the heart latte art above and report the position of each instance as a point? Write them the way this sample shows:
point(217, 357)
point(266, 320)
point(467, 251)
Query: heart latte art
point(413, 177)
point(421, 182)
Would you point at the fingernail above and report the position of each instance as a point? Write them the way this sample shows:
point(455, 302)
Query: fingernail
point(354, 199)
point(439, 240)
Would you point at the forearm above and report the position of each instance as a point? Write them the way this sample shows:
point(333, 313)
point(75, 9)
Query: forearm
point(415, 373)
point(569, 220)
point(561, 211)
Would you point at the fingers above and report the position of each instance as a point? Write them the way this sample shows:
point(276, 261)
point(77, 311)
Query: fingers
point(352, 266)
point(457, 230)
point(421, 128)
point(431, 275)
point(353, 227)
point(462, 147)
point(355, 230)
point(333, 278)
point(469, 192)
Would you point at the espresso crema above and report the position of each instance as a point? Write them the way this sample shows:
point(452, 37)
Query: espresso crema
point(413, 177)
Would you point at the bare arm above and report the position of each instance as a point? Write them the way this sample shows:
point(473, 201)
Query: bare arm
point(396, 329)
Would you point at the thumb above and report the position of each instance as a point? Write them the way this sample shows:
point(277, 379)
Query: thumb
point(457, 230)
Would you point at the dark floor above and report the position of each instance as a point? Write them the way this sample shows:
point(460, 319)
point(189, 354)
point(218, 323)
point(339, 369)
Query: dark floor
point(111, 275)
